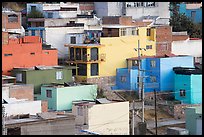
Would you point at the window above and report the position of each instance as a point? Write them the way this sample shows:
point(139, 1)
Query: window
point(33, 8)
point(73, 40)
point(182, 92)
point(41, 34)
point(137, 32)
point(94, 69)
point(32, 32)
point(12, 18)
point(148, 32)
point(50, 15)
point(150, 4)
point(109, 31)
point(148, 46)
point(153, 63)
point(164, 47)
point(19, 77)
point(8, 55)
point(82, 69)
point(94, 53)
point(135, 63)
point(153, 79)
point(46, 52)
point(32, 53)
point(193, 15)
point(71, 51)
point(123, 31)
point(133, 31)
point(78, 54)
point(59, 75)
point(49, 93)
point(123, 78)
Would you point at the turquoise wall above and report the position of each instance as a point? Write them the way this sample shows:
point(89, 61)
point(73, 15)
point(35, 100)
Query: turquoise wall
point(193, 86)
point(182, 82)
point(62, 97)
point(196, 93)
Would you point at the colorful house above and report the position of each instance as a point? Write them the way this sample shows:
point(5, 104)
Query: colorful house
point(188, 85)
point(39, 75)
point(192, 10)
point(193, 118)
point(26, 52)
point(97, 62)
point(158, 72)
point(60, 96)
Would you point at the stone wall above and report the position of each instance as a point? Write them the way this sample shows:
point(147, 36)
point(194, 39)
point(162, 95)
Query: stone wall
point(103, 83)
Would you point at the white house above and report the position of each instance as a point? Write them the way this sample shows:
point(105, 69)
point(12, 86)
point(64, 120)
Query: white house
point(106, 118)
point(188, 47)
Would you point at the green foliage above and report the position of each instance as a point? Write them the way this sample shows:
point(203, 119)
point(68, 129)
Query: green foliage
point(180, 22)
point(35, 14)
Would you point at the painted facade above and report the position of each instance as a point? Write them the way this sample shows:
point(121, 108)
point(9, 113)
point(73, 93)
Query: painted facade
point(103, 61)
point(61, 97)
point(42, 75)
point(193, 118)
point(158, 71)
point(114, 115)
point(188, 85)
point(19, 53)
point(14, 107)
point(192, 10)
point(188, 47)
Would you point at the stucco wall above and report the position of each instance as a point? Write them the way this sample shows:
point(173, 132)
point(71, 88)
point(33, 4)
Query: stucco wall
point(24, 107)
point(116, 55)
point(187, 47)
point(57, 38)
point(5, 92)
point(109, 119)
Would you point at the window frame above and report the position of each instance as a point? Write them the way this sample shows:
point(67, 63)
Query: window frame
point(59, 75)
point(148, 46)
point(19, 77)
point(123, 79)
point(49, 93)
point(153, 79)
point(149, 32)
point(182, 92)
point(153, 63)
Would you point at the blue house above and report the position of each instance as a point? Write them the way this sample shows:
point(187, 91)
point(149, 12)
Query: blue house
point(188, 85)
point(158, 72)
point(193, 11)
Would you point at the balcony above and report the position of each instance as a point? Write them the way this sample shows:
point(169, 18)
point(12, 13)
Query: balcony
point(87, 59)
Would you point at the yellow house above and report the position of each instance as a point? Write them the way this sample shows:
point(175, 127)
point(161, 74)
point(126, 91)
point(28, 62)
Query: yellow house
point(97, 63)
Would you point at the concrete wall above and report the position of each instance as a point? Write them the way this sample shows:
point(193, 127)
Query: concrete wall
point(52, 127)
point(193, 114)
point(22, 92)
point(79, 38)
point(24, 107)
point(152, 11)
point(109, 119)
point(5, 92)
point(57, 38)
point(196, 94)
point(187, 47)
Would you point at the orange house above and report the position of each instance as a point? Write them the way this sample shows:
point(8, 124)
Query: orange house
point(26, 52)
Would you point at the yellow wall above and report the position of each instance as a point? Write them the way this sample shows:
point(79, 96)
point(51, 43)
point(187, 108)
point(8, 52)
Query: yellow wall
point(117, 49)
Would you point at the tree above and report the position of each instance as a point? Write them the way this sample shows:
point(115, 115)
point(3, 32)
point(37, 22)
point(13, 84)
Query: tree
point(180, 22)
point(35, 14)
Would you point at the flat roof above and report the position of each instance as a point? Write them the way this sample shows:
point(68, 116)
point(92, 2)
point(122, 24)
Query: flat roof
point(44, 68)
point(117, 26)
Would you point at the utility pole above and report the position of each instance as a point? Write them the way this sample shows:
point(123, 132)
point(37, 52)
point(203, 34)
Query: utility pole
point(155, 103)
point(133, 117)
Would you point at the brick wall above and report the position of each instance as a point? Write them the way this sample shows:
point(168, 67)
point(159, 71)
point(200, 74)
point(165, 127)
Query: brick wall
point(22, 92)
point(163, 40)
point(126, 20)
point(179, 37)
point(11, 25)
point(113, 33)
point(44, 106)
point(110, 20)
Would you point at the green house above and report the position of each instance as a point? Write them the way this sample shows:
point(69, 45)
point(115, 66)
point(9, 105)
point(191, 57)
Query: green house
point(40, 75)
point(60, 97)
